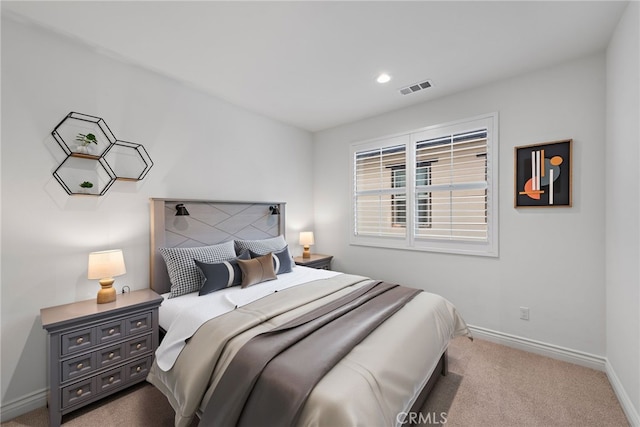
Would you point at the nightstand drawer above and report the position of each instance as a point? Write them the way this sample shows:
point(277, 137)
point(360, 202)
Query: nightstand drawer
point(111, 379)
point(139, 368)
point(77, 340)
point(138, 324)
point(111, 355)
point(78, 366)
point(110, 331)
point(78, 392)
point(138, 346)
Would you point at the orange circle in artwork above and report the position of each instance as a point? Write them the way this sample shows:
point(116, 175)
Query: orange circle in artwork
point(556, 160)
point(528, 188)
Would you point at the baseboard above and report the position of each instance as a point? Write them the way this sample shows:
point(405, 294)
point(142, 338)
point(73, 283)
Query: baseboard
point(627, 406)
point(28, 403)
point(544, 349)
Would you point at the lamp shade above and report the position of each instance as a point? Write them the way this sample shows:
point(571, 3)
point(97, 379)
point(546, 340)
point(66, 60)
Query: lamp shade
point(106, 264)
point(181, 210)
point(306, 238)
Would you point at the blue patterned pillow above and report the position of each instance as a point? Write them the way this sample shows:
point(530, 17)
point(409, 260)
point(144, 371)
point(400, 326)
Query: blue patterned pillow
point(282, 261)
point(221, 275)
point(185, 277)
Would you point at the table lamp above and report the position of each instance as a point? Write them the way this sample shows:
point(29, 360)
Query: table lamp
point(306, 239)
point(105, 265)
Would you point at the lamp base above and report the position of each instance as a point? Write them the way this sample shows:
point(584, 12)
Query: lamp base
point(107, 293)
point(306, 253)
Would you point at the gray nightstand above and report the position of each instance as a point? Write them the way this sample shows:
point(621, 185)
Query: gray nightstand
point(94, 350)
point(316, 261)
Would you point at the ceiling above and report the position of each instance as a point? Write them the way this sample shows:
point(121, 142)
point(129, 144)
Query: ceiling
point(314, 65)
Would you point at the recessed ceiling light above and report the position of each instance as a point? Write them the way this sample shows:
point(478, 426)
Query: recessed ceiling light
point(383, 78)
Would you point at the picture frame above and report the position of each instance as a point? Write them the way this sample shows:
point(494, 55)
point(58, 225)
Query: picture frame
point(543, 175)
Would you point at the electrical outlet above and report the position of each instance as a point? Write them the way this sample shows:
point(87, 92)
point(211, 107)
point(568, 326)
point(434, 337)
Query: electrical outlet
point(524, 313)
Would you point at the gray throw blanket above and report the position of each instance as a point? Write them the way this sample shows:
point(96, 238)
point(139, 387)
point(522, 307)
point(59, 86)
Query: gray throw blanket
point(270, 378)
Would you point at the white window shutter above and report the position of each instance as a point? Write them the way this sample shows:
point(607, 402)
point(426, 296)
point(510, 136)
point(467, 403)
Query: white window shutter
point(433, 189)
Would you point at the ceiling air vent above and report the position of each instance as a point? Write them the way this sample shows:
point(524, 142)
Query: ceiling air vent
point(415, 87)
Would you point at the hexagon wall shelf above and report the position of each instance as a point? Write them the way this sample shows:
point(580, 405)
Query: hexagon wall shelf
point(76, 170)
point(129, 161)
point(67, 131)
point(95, 157)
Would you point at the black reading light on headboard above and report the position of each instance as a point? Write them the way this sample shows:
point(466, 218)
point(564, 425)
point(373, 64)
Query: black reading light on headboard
point(181, 210)
point(275, 210)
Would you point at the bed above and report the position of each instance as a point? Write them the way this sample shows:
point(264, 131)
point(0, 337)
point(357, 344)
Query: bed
point(380, 379)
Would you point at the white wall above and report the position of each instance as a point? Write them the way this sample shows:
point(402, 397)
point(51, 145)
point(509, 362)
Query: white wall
point(551, 260)
point(623, 209)
point(201, 146)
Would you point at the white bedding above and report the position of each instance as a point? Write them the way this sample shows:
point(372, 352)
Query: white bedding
point(193, 310)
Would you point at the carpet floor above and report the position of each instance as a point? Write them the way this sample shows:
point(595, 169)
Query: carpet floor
point(487, 385)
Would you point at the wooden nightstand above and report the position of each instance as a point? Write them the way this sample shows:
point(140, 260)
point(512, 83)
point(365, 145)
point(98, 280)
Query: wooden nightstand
point(316, 261)
point(94, 350)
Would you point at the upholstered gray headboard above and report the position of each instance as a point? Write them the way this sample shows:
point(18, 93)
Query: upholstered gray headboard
point(209, 222)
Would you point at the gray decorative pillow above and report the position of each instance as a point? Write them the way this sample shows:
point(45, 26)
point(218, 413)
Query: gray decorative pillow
point(282, 261)
point(221, 275)
point(257, 270)
point(185, 277)
point(262, 246)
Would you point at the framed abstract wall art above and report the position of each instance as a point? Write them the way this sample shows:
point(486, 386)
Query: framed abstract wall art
point(543, 175)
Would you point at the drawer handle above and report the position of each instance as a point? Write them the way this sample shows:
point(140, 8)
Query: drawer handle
point(139, 346)
point(111, 355)
point(138, 324)
point(138, 369)
point(111, 379)
point(79, 392)
point(80, 340)
point(111, 331)
point(79, 366)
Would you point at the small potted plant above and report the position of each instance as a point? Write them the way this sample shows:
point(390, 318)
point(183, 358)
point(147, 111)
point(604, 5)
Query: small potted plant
point(86, 186)
point(84, 141)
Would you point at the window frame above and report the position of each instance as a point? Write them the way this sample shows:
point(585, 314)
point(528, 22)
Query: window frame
point(488, 247)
